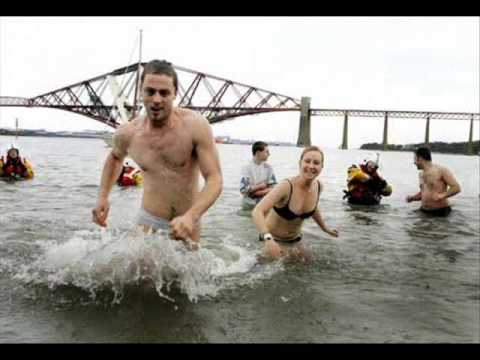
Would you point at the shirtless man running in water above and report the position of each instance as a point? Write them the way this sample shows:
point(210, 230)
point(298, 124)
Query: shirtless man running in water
point(171, 145)
point(437, 184)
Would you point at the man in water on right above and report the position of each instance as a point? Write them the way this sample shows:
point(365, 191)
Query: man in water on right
point(437, 184)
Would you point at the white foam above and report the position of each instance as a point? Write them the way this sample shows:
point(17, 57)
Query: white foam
point(99, 259)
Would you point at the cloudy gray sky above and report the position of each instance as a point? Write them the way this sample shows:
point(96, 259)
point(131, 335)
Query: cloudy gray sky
point(399, 63)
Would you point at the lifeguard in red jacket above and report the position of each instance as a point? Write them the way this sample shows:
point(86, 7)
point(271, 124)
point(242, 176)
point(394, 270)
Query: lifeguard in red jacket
point(129, 176)
point(365, 185)
point(14, 166)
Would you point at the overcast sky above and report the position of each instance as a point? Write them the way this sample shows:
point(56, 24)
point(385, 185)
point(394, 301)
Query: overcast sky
point(399, 63)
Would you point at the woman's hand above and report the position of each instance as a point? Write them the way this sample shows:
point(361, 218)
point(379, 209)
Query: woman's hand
point(273, 249)
point(332, 232)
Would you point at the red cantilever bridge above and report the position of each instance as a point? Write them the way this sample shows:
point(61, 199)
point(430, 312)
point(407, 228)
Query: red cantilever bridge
point(216, 98)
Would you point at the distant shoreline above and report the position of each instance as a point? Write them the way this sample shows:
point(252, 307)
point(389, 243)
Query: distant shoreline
point(43, 133)
point(460, 148)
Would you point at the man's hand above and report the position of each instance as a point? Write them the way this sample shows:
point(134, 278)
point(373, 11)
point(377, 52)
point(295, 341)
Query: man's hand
point(410, 198)
point(257, 187)
point(182, 227)
point(100, 212)
point(262, 185)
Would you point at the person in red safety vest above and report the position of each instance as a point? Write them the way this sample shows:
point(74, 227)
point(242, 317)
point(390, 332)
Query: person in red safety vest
point(14, 166)
point(368, 191)
point(126, 177)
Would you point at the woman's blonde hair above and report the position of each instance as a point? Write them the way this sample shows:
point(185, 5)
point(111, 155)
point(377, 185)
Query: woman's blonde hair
point(312, 148)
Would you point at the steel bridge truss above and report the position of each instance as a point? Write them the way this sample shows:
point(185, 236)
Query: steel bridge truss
point(216, 98)
point(397, 114)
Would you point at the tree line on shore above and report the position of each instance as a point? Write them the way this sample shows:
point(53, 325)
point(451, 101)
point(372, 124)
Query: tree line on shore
point(436, 146)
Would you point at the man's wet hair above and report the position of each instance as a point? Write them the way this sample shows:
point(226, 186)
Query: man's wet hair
point(160, 67)
point(258, 146)
point(424, 153)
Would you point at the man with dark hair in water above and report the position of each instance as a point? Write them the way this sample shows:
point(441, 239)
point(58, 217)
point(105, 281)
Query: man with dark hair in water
point(437, 184)
point(172, 146)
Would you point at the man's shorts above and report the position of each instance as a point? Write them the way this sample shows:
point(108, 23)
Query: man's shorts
point(154, 222)
point(437, 212)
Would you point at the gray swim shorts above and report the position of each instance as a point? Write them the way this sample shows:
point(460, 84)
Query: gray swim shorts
point(155, 222)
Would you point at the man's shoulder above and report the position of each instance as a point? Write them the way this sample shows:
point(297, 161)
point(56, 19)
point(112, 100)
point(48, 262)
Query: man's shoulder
point(247, 166)
point(190, 116)
point(129, 127)
point(250, 167)
point(437, 169)
point(194, 124)
point(441, 167)
point(445, 172)
point(124, 133)
point(267, 165)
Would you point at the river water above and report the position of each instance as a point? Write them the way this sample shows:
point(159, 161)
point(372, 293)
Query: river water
point(392, 275)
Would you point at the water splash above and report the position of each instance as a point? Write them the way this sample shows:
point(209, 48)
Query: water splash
point(114, 259)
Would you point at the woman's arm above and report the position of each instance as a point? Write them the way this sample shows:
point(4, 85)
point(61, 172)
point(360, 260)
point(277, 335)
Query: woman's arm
point(260, 211)
point(278, 193)
point(317, 216)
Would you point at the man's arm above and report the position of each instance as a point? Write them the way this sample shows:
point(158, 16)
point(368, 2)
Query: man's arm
point(246, 188)
point(416, 197)
point(452, 183)
point(209, 164)
point(268, 185)
point(256, 188)
point(110, 173)
point(261, 192)
point(263, 188)
point(272, 180)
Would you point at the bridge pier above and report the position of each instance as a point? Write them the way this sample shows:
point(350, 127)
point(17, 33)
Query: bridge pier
point(385, 132)
point(470, 137)
point(427, 131)
point(304, 127)
point(345, 131)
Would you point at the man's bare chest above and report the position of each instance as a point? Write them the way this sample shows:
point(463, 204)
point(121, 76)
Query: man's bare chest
point(431, 178)
point(168, 151)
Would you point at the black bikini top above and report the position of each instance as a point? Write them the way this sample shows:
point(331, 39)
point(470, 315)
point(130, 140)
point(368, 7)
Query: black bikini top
point(287, 214)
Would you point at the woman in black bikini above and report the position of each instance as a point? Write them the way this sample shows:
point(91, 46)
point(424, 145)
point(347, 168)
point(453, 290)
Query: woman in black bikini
point(292, 201)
